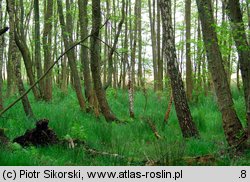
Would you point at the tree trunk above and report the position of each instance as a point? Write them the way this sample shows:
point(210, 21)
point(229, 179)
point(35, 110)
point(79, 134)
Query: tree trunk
point(232, 126)
point(23, 47)
point(189, 83)
point(125, 61)
point(240, 38)
point(113, 48)
point(95, 62)
point(153, 41)
point(131, 69)
point(83, 17)
point(14, 59)
point(71, 57)
point(139, 18)
point(38, 60)
point(47, 48)
point(159, 58)
point(182, 109)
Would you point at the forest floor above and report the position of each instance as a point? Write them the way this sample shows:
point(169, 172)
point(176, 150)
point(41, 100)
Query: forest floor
point(134, 141)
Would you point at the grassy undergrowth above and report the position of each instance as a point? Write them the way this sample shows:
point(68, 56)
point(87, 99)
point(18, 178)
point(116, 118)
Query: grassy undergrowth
point(134, 140)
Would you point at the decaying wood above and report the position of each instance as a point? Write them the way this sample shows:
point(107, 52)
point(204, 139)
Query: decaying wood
point(42, 135)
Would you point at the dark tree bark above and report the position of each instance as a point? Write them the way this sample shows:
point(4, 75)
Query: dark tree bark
point(47, 49)
point(232, 126)
point(131, 67)
point(38, 59)
point(14, 59)
point(95, 62)
point(240, 38)
point(23, 47)
point(159, 57)
point(71, 57)
point(182, 109)
point(83, 17)
point(125, 61)
point(189, 83)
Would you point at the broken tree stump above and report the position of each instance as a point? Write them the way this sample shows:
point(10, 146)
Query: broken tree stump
point(42, 135)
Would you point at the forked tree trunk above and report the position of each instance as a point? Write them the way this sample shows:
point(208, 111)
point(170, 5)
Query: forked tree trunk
point(95, 62)
point(232, 126)
point(16, 61)
point(181, 106)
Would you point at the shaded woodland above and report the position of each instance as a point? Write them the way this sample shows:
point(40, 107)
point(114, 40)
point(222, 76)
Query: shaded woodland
point(170, 78)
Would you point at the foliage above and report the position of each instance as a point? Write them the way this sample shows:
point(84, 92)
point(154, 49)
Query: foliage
point(133, 140)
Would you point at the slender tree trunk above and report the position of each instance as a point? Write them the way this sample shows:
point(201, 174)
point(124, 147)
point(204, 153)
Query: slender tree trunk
point(113, 48)
point(83, 17)
point(38, 59)
point(47, 48)
point(125, 62)
point(199, 58)
point(139, 18)
point(95, 62)
point(232, 126)
point(182, 109)
point(153, 41)
point(131, 69)
point(159, 58)
point(71, 57)
point(10, 74)
point(107, 26)
point(189, 83)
